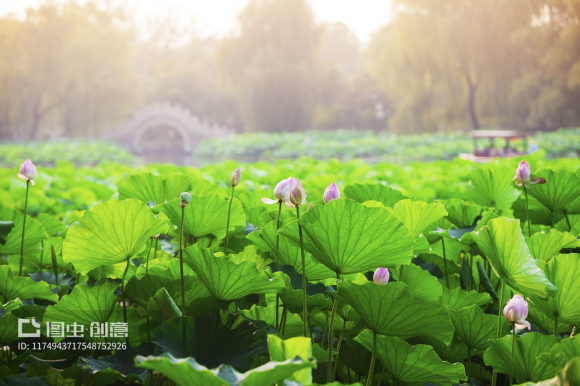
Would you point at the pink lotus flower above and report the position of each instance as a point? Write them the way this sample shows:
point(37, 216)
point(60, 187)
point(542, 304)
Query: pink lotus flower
point(297, 195)
point(281, 191)
point(331, 193)
point(235, 177)
point(516, 312)
point(524, 176)
point(27, 171)
point(381, 276)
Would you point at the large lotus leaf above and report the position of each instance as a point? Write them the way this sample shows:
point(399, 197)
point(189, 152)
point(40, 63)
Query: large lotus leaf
point(110, 233)
point(544, 246)
point(34, 233)
point(559, 191)
point(9, 329)
point(12, 287)
point(412, 364)
point(162, 307)
point(561, 352)
point(52, 225)
point(12, 380)
point(462, 214)
point(348, 237)
point(417, 215)
point(391, 310)
point(205, 215)
point(187, 372)
point(526, 349)
point(458, 298)
point(153, 189)
point(281, 350)
point(564, 272)
point(226, 280)
point(253, 254)
point(321, 318)
point(492, 187)
point(121, 366)
point(422, 284)
point(503, 244)
point(375, 192)
point(456, 351)
point(231, 339)
point(268, 314)
point(474, 327)
point(84, 306)
point(538, 213)
point(265, 239)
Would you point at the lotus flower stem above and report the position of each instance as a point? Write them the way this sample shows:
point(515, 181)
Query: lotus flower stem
point(147, 262)
point(156, 245)
point(304, 305)
point(228, 224)
point(445, 262)
point(468, 361)
point(324, 330)
point(499, 307)
point(181, 261)
point(338, 350)
point(471, 280)
point(284, 317)
point(373, 358)
point(23, 228)
point(567, 221)
point(278, 256)
point(528, 212)
point(54, 265)
point(330, 342)
point(124, 297)
point(512, 354)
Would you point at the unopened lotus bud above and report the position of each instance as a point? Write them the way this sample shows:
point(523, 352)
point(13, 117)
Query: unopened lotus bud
point(185, 197)
point(297, 194)
point(516, 312)
point(381, 276)
point(27, 171)
point(281, 191)
point(523, 173)
point(235, 177)
point(331, 193)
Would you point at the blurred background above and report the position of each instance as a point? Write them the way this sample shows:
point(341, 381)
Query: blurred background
point(155, 76)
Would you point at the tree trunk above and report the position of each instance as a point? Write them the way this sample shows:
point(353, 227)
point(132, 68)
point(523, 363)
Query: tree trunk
point(472, 87)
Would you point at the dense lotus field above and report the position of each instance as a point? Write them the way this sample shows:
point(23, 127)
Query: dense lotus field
point(291, 273)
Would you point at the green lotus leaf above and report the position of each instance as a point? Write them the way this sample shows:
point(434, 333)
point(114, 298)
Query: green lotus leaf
point(564, 272)
point(375, 192)
point(292, 298)
point(462, 214)
point(205, 215)
point(492, 188)
point(417, 215)
point(227, 280)
point(474, 327)
point(456, 351)
point(12, 380)
point(502, 242)
point(162, 307)
point(562, 352)
point(544, 246)
point(231, 339)
point(5, 229)
point(412, 364)
point(187, 372)
point(538, 213)
point(546, 322)
point(422, 284)
point(9, 329)
point(320, 318)
point(391, 310)
point(458, 298)
point(12, 287)
point(348, 237)
point(559, 191)
point(281, 350)
point(34, 233)
point(251, 253)
point(265, 239)
point(52, 225)
point(268, 314)
point(153, 189)
point(120, 367)
point(526, 349)
point(110, 233)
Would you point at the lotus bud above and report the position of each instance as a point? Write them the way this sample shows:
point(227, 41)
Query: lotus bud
point(297, 194)
point(381, 276)
point(235, 177)
point(516, 312)
point(524, 176)
point(331, 193)
point(281, 191)
point(27, 171)
point(185, 197)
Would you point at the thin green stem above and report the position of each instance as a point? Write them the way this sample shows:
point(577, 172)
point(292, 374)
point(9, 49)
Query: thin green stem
point(330, 344)
point(54, 265)
point(512, 354)
point(372, 366)
point(445, 262)
point(304, 305)
point(124, 297)
point(494, 376)
point(147, 261)
point(156, 245)
point(468, 361)
point(567, 221)
point(552, 218)
point(527, 212)
point(471, 280)
point(228, 224)
point(278, 256)
point(181, 261)
point(338, 349)
point(23, 228)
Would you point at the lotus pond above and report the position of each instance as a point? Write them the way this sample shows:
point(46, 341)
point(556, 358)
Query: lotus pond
point(291, 273)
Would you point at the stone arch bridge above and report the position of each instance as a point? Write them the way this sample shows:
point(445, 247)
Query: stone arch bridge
point(164, 133)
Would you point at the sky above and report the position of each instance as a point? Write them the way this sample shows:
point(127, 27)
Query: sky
point(219, 17)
